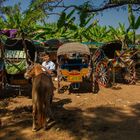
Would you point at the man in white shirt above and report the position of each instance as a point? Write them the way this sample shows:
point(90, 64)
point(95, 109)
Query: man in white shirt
point(48, 65)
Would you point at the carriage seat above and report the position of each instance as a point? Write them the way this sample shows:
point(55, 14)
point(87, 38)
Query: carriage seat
point(75, 66)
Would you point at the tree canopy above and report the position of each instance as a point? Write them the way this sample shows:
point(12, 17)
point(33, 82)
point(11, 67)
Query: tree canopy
point(32, 21)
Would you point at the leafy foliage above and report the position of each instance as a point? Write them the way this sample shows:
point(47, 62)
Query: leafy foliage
point(25, 21)
point(32, 23)
point(134, 23)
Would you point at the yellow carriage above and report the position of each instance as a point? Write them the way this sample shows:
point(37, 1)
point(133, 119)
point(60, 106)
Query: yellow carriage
point(74, 65)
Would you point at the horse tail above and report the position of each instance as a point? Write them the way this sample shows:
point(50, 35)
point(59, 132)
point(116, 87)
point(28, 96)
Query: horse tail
point(41, 109)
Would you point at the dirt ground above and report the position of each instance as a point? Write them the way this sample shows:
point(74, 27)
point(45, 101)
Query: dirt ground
point(112, 114)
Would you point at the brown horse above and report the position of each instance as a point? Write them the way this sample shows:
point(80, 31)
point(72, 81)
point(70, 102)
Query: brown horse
point(42, 94)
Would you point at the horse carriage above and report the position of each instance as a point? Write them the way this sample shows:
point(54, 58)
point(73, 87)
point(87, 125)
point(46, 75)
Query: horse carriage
point(74, 65)
point(113, 63)
point(15, 61)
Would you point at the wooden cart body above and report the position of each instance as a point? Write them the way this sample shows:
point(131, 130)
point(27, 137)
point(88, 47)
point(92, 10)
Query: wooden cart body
point(73, 61)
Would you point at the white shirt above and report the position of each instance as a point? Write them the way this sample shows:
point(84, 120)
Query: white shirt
point(49, 65)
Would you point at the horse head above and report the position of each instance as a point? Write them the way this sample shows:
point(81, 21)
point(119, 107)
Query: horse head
point(33, 70)
point(30, 72)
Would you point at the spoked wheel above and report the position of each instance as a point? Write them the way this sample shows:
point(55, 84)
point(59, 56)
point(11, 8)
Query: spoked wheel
point(103, 75)
point(132, 74)
point(95, 87)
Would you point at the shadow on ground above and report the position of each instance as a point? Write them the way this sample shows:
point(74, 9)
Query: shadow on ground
point(16, 120)
point(97, 123)
point(100, 123)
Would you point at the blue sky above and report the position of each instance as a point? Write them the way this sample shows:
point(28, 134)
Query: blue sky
point(108, 17)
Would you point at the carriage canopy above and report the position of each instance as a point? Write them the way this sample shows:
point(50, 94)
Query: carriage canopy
point(73, 47)
point(110, 48)
point(15, 56)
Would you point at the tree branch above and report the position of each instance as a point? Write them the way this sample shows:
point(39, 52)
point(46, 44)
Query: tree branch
point(108, 5)
point(137, 9)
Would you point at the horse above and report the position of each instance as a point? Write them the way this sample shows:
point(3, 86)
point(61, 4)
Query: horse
point(42, 95)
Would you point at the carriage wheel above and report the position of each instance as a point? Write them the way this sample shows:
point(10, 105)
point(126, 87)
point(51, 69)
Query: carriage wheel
point(132, 74)
point(95, 87)
point(103, 75)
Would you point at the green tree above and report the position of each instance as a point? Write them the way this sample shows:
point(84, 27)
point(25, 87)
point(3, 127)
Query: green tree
point(45, 31)
point(24, 22)
point(76, 31)
point(134, 23)
point(100, 33)
point(122, 34)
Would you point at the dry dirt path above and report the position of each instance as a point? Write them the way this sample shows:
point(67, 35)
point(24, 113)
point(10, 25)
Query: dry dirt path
point(112, 114)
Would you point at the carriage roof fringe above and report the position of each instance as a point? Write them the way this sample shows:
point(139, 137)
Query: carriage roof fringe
point(74, 47)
